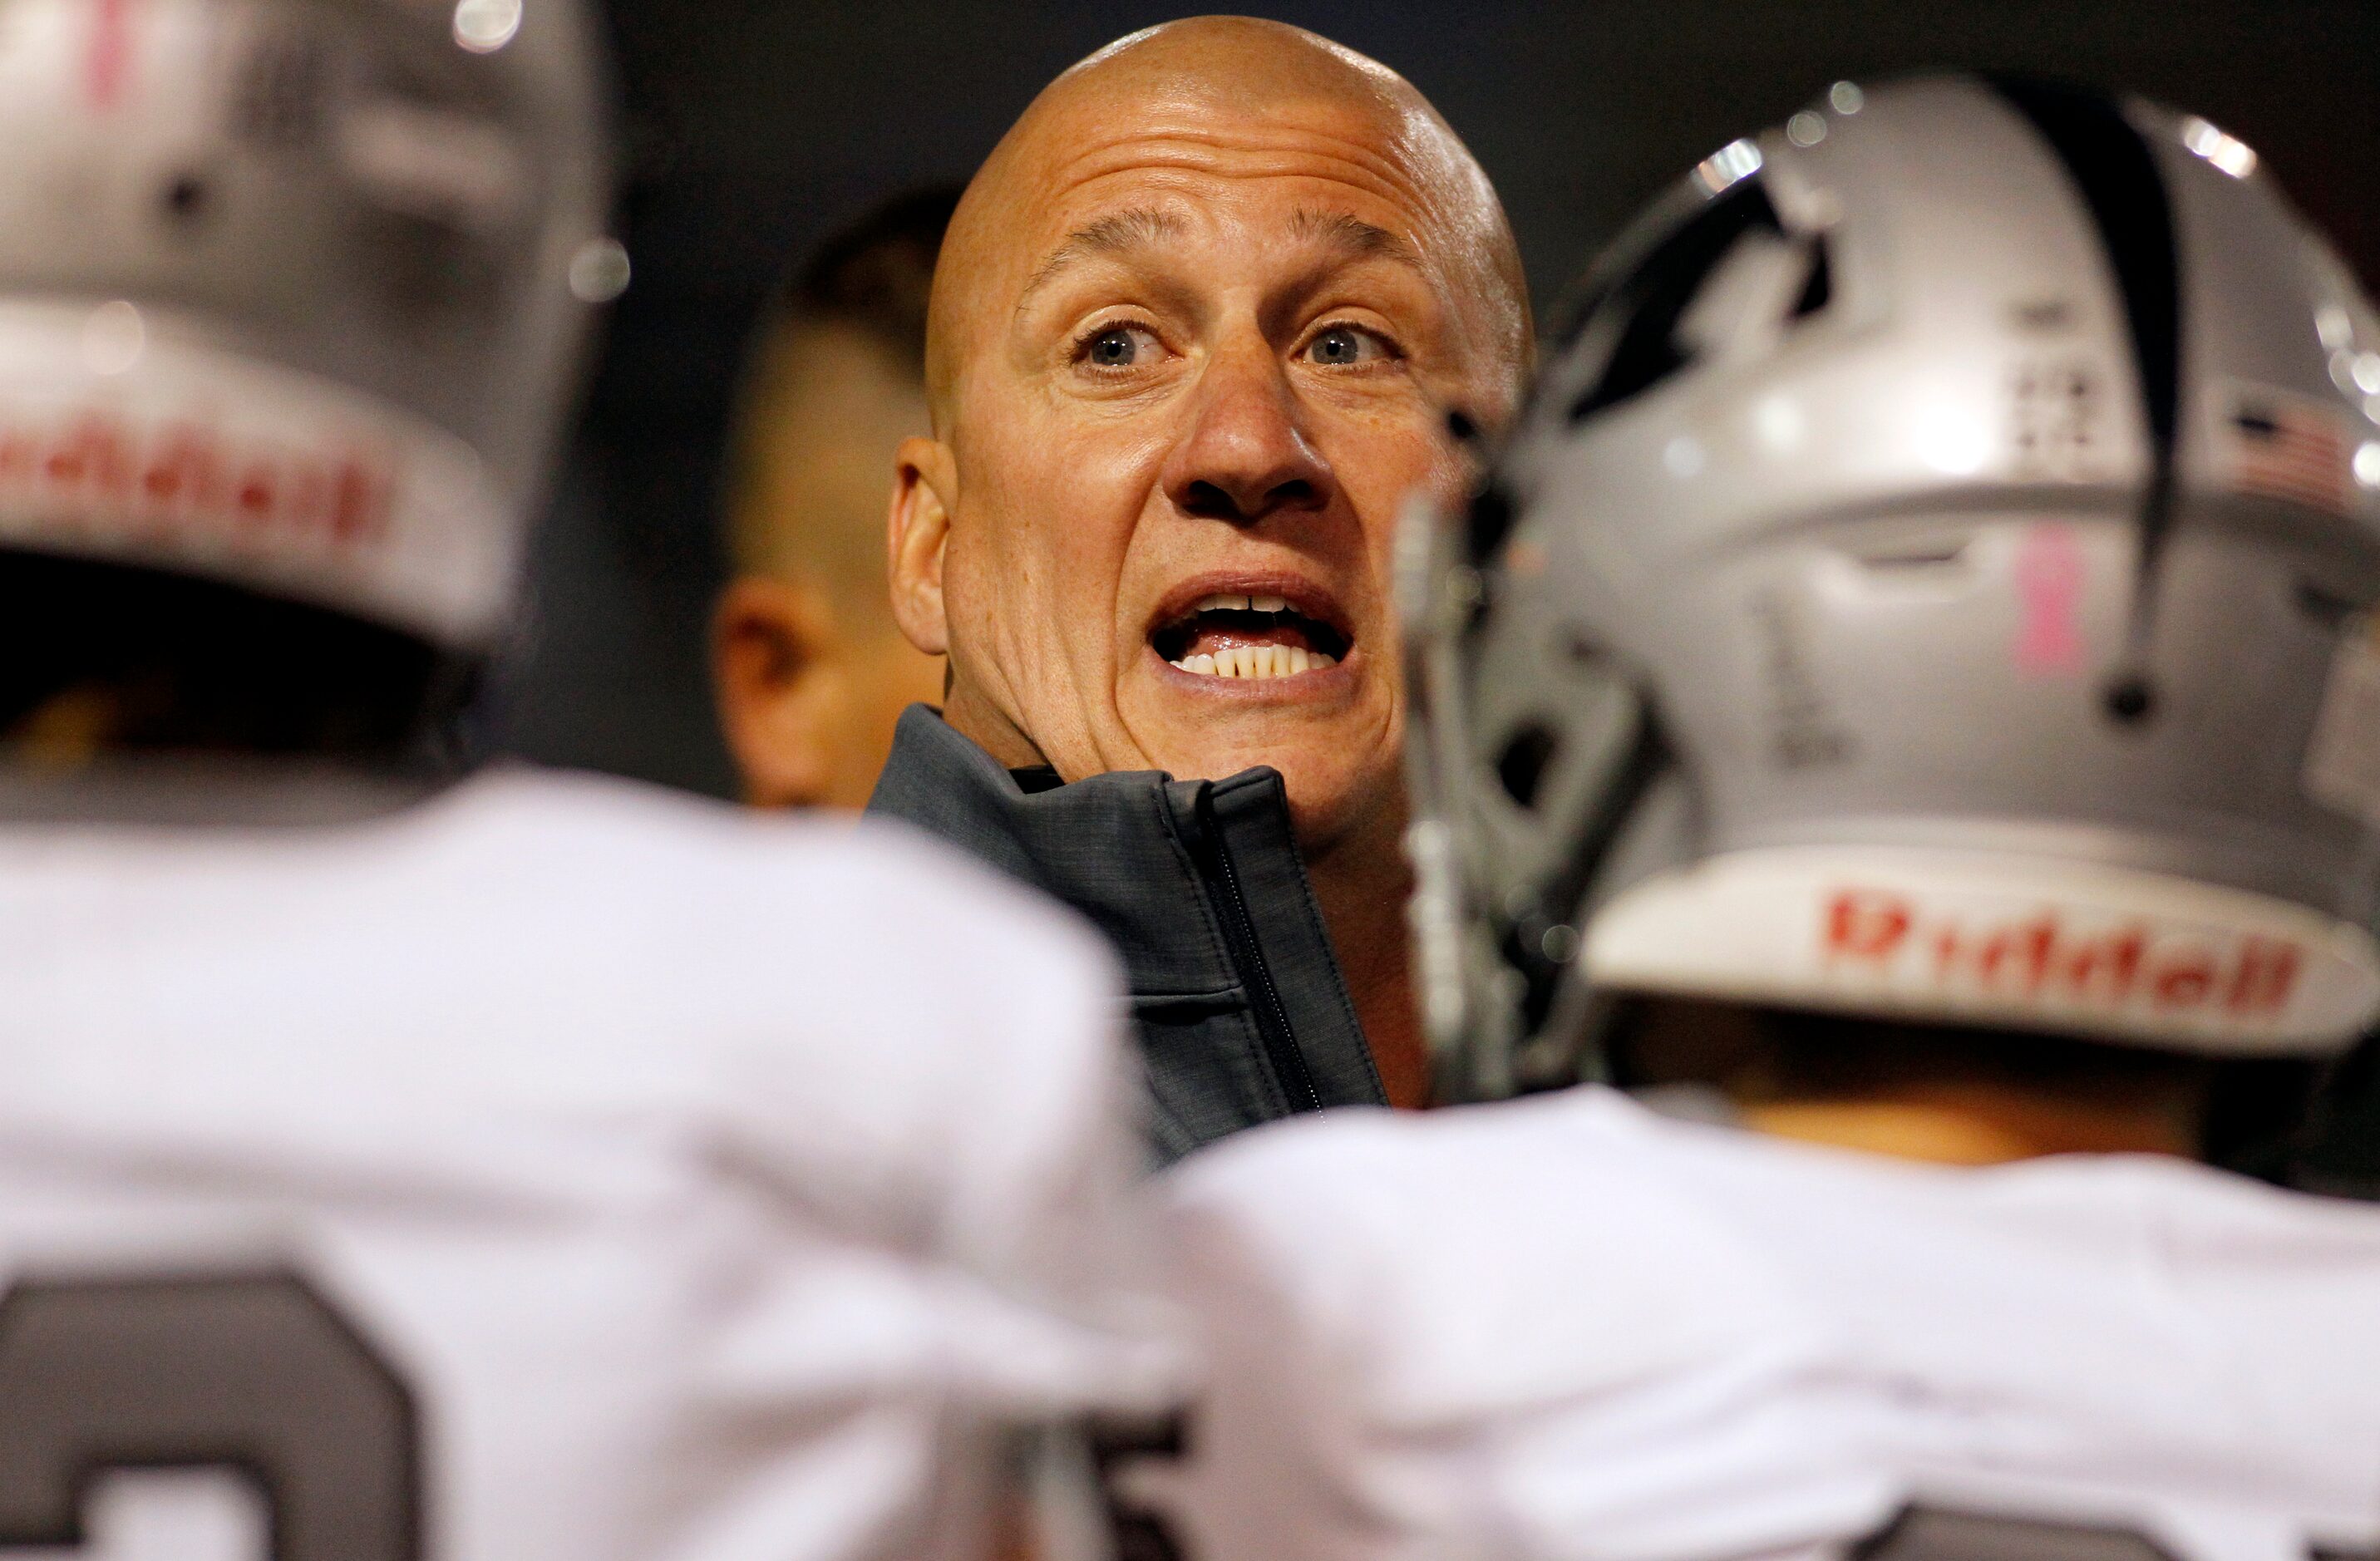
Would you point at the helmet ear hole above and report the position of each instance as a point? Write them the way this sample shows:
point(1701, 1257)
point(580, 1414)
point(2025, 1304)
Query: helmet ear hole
point(1817, 284)
point(1522, 764)
point(2324, 609)
point(184, 199)
point(2130, 700)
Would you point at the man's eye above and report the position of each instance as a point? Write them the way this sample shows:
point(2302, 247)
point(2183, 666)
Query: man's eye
point(1342, 345)
point(1121, 346)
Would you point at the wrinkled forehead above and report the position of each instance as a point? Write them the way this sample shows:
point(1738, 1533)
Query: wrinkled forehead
point(1245, 156)
point(1200, 161)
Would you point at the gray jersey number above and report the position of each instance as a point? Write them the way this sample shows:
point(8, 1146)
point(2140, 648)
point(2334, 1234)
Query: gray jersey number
point(254, 1373)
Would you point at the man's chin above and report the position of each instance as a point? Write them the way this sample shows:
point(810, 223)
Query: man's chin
point(1337, 757)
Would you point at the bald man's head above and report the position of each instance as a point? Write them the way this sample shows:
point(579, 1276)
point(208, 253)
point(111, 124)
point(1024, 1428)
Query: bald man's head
point(1195, 337)
point(1198, 84)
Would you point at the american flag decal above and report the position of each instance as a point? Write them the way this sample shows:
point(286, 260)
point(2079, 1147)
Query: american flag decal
point(2286, 447)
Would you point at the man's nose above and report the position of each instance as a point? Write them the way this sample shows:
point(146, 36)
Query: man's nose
point(1244, 457)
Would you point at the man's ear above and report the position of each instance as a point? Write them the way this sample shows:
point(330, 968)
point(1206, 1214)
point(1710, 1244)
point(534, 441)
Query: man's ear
point(778, 685)
point(925, 487)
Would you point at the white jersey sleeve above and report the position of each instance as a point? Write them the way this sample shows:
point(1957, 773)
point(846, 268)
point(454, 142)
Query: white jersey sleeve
point(1566, 1328)
point(595, 1174)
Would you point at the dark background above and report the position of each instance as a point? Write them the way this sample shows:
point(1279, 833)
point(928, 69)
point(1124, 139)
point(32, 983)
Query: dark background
point(752, 127)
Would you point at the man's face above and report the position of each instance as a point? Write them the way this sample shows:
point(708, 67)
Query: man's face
point(1224, 357)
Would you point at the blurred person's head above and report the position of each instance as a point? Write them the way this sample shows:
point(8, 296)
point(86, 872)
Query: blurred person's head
point(283, 394)
point(1199, 329)
point(811, 670)
point(1905, 672)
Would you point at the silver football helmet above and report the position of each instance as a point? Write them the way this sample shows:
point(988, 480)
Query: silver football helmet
point(285, 289)
point(1933, 578)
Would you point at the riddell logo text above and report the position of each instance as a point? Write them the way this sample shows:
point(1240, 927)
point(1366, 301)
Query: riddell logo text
point(2044, 959)
point(103, 471)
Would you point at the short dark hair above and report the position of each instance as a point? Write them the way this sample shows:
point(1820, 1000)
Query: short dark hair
point(874, 278)
point(876, 274)
point(192, 665)
point(2252, 1112)
point(1760, 1053)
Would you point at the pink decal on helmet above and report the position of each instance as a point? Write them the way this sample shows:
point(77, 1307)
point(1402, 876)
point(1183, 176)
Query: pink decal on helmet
point(111, 52)
point(2049, 571)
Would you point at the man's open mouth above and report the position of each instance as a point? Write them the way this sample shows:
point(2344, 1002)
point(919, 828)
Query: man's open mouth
point(1252, 636)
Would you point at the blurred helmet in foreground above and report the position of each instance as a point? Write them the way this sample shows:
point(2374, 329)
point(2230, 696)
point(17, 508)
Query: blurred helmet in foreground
point(285, 290)
point(1933, 580)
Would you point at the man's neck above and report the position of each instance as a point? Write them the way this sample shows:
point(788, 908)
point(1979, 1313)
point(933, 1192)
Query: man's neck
point(979, 721)
point(1974, 1125)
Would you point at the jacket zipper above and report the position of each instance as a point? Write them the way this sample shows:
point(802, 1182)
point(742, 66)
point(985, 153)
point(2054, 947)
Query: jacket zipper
point(1264, 999)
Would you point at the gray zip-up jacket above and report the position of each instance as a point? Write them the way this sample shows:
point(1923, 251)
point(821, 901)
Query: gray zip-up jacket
point(1236, 996)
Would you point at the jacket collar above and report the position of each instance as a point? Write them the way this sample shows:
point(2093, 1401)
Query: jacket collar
point(1108, 845)
point(1143, 857)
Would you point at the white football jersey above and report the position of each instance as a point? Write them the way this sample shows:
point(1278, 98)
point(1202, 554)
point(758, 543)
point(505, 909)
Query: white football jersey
point(1567, 1327)
point(550, 1171)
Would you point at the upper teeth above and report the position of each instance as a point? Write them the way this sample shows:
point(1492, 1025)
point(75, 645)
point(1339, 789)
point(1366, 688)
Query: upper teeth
point(1257, 662)
point(1227, 603)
